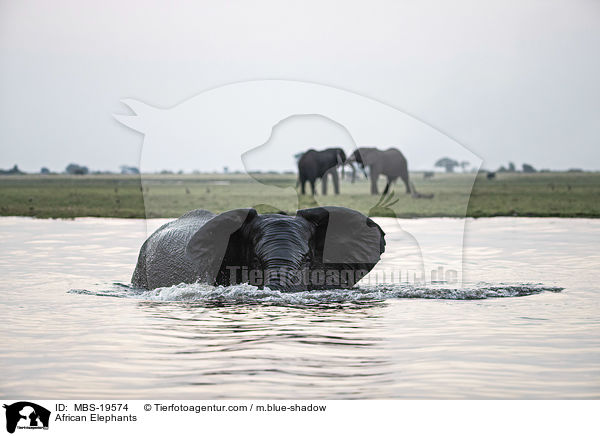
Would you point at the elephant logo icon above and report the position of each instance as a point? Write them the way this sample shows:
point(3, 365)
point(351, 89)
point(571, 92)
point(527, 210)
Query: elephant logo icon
point(26, 415)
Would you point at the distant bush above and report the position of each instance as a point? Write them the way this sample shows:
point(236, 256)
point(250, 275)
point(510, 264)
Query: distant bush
point(14, 170)
point(76, 169)
point(447, 163)
point(44, 170)
point(528, 168)
point(129, 170)
point(102, 172)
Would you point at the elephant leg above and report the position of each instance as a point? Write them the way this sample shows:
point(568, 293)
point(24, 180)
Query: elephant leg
point(405, 180)
point(374, 177)
point(324, 184)
point(303, 186)
point(387, 187)
point(390, 181)
point(336, 181)
point(312, 186)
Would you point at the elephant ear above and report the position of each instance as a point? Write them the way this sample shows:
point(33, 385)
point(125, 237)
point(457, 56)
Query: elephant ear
point(345, 237)
point(218, 242)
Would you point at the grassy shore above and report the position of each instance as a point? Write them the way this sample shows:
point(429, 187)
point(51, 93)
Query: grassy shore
point(510, 194)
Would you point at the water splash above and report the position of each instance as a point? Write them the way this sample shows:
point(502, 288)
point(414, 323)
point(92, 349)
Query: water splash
point(248, 294)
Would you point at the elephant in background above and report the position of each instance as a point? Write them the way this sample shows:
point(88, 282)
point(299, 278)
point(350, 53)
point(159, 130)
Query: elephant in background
point(391, 163)
point(315, 164)
point(319, 248)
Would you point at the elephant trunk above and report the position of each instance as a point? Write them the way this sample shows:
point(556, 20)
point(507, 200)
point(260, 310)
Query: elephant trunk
point(351, 161)
point(282, 277)
point(283, 251)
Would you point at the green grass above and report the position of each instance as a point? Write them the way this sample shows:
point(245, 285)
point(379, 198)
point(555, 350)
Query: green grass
point(62, 196)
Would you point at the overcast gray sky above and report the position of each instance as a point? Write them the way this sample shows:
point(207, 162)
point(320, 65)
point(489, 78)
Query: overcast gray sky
point(510, 80)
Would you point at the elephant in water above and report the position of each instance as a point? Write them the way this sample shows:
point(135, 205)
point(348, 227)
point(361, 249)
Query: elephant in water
point(390, 163)
point(319, 248)
point(315, 164)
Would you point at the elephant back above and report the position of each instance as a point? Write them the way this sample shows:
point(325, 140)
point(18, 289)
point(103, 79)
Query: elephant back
point(162, 260)
point(394, 163)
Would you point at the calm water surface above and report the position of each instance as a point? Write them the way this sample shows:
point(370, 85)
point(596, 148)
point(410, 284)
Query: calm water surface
point(70, 330)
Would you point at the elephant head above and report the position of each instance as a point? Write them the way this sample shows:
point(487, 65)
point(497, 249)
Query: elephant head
point(319, 248)
point(341, 160)
point(360, 156)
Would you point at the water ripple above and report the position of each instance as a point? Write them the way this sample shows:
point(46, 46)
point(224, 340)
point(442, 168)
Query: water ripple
point(247, 294)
